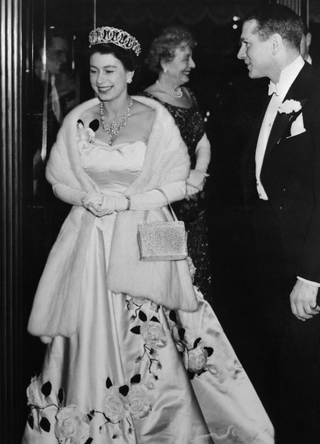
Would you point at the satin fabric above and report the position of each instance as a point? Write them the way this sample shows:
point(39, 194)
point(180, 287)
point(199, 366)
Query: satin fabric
point(136, 372)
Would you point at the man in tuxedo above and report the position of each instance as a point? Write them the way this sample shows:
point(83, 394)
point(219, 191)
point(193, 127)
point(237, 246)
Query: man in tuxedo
point(281, 176)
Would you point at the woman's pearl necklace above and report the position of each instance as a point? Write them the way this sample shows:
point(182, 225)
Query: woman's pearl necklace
point(178, 93)
point(114, 128)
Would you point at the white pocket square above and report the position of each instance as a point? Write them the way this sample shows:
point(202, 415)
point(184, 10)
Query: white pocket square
point(297, 126)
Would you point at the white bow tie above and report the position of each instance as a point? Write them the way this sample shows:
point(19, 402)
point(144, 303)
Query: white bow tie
point(273, 88)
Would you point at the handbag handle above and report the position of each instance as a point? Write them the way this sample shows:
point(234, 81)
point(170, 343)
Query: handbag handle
point(169, 205)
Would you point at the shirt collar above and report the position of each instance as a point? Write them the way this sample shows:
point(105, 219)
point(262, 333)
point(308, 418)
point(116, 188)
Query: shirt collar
point(287, 77)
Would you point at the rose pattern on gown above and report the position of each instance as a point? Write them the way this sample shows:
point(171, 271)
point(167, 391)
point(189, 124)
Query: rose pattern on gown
point(140, 401)
point(154, 338)
point(72, 426)
point(121, 403)
point(115, 403)
point(195, 356)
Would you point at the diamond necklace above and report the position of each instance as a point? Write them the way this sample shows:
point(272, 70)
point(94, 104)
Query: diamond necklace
point(114, 128)
point(177, 94)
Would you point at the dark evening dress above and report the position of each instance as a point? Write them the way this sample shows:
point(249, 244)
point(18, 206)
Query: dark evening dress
point(192, 212)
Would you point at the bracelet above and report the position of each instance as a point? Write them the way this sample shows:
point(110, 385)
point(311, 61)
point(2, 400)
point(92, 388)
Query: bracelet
point(129, 202)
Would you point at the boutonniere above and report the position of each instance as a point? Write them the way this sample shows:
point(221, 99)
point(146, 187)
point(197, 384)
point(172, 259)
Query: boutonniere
point(290, 106)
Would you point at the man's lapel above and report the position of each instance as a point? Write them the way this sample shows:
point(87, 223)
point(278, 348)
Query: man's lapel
point(279, 127)
point(297, 91)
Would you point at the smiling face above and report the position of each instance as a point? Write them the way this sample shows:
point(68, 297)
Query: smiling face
point(178, 70)
point(256, 53)
point(108, 76)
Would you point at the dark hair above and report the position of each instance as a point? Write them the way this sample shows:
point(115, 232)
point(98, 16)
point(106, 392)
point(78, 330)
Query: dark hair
point(277, 19)
point(163, 47)
point(126, 56)
point(51, 34)
point(305, 29)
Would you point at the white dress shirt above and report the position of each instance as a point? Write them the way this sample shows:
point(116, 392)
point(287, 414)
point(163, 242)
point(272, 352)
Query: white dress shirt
point(279, 90)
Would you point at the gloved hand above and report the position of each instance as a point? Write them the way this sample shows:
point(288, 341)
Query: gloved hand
point(77, 197)
point(92, 201)
point(107, 205)
point(195, 182)
point(203, 154)
point(101, 204)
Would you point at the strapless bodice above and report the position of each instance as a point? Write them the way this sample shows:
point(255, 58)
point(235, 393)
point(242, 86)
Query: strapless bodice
point(113, 168)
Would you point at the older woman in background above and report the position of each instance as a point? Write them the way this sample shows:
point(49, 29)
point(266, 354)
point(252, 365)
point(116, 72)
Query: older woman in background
point(170, 56)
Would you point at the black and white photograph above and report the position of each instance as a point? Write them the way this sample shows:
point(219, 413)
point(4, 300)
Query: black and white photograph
point(160, 222)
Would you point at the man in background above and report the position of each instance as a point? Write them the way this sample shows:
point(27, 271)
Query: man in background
point(51, 93)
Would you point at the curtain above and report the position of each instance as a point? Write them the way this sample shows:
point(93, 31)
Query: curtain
point(164, 12)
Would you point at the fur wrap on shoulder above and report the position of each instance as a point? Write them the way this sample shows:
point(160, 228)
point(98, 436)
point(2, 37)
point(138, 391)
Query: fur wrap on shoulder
point(57, 304)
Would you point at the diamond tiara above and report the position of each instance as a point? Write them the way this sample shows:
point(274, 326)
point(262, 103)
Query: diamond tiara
point(118, 37)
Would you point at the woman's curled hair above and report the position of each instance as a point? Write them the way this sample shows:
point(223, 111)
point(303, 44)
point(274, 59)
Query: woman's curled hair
point(164, 46)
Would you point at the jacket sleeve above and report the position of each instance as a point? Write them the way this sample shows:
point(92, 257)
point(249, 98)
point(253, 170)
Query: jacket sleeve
point(309, 263)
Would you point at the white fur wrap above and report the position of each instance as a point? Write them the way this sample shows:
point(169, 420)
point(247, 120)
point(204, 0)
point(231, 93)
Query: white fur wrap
point(57, 303)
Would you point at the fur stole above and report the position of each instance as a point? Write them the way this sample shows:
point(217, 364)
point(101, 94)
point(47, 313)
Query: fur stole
point(57, 305)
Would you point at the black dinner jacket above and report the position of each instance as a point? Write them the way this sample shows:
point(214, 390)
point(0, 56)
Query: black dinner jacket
point(290, 172)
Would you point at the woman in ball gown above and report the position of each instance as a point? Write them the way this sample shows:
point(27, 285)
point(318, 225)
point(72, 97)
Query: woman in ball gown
point(170, 57)
point(134, 352)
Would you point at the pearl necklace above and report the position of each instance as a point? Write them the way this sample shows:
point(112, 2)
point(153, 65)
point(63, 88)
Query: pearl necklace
point(177, 94)
point(114, 128)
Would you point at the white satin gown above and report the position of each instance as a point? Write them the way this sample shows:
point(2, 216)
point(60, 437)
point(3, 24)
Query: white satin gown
point(135, 372)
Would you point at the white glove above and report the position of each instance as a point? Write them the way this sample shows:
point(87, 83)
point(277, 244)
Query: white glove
point(77, 197)
point(197, 179)
point(107, 205)
point(192, 193)
point(102, 204)
point(203, 154)
point(149, 200)
point(92, 201)
point(153, 199)
point(69, 195)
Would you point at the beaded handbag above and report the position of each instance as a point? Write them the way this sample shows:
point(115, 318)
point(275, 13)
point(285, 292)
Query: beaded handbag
point(162, 241)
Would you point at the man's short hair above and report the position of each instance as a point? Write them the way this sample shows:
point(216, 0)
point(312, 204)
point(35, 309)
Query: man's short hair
point(51, 34)
point(305, 29)
point(277, 19)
